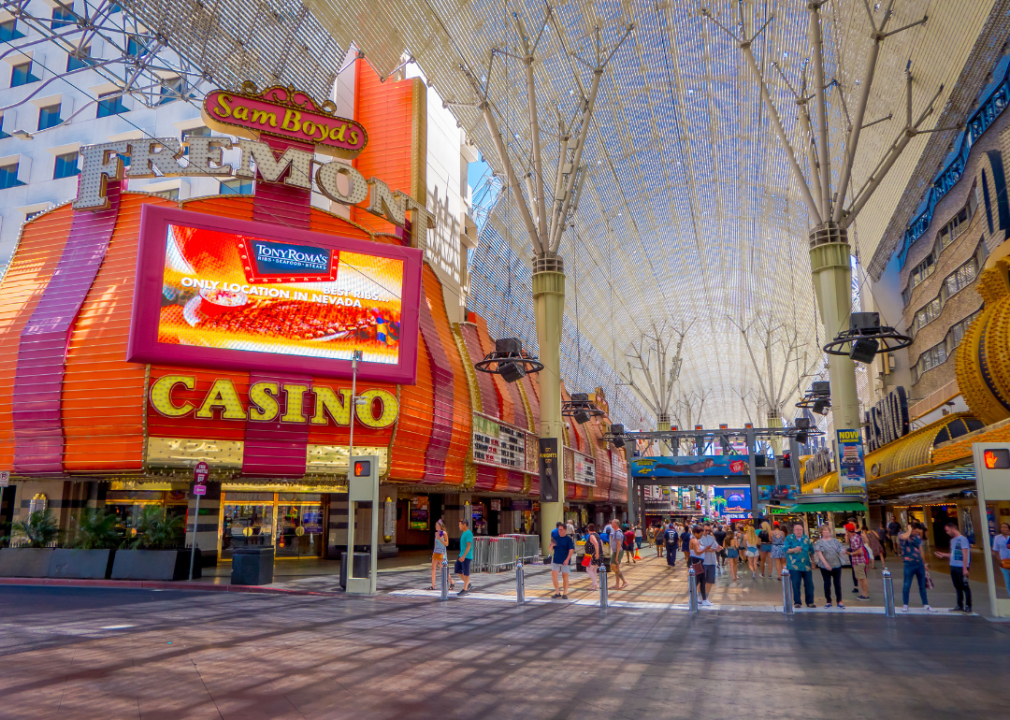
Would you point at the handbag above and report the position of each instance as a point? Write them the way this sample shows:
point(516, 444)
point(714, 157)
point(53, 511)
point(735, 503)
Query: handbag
point(1005, 563)
point(587, 560)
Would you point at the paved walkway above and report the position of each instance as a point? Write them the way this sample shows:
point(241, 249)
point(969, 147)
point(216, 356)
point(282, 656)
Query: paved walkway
point(102, 654)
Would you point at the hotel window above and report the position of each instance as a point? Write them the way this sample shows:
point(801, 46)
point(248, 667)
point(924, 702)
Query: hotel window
point(110, 104)
point(9, 31)
point(929, 313)
point(957, 225)
point(9, 176)
point(63, 16)
point(956, 333)
point(936, 355)
point(49, 117)
point(172, 194)
point(237, 187)
point(172, 89)
point(66, 166)
point(2, 133)
point(22, 74)
point(961, 278)
point(81, 60)
point(136, 46)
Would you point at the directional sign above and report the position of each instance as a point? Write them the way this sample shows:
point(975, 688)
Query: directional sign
point(199, 489)
point(200, 473)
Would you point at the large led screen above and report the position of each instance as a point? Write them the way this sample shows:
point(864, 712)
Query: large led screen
point(230, 293)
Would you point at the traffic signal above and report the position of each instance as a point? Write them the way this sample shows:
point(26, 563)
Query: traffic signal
point(362, 468)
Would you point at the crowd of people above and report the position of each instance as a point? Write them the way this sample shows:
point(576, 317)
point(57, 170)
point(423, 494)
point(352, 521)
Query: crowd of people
point(713, 549)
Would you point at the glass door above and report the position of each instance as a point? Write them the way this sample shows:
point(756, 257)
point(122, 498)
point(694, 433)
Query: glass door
point(246, 523)
point(300, 526)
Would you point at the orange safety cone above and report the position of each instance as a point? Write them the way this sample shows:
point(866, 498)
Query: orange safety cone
point(637, 556)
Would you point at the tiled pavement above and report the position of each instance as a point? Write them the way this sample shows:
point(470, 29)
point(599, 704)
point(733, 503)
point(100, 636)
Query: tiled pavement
point(85, 654)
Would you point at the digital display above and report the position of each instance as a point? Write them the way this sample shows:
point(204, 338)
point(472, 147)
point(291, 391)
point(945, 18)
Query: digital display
point(229, 291)
point(362, 468)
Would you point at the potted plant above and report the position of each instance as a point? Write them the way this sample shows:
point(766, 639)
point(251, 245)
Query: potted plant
point(91, 552)
point(31, 542)
point(157, 552)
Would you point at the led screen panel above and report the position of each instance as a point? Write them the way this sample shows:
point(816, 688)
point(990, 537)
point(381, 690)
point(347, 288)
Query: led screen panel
point(225, 293)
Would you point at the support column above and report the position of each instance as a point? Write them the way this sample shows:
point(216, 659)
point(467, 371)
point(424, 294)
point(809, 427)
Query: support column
point(549, 309)
point(665, 446)
point(829, 262)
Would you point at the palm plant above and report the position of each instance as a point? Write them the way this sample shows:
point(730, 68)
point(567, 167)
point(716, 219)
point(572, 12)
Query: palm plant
point(40, 529)
point(96, 530)
point(157, 531)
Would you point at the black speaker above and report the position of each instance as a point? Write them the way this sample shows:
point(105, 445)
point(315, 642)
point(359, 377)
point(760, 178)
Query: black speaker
point(511, 372)
point(801, 438)
point(864, 349)
point(802, 423)
point(864, 321)
point(510, 346)
point(580, 397)
point(821, 407)
point(616, 429)
point(619, 442)
point(581, 417)
point(821, 388)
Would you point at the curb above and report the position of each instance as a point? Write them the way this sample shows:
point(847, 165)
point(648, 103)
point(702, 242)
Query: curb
point(158, 585)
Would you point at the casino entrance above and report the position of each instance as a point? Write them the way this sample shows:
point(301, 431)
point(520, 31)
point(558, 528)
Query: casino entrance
point(291, 522)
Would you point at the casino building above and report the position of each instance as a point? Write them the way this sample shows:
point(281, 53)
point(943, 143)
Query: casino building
point(144, 335)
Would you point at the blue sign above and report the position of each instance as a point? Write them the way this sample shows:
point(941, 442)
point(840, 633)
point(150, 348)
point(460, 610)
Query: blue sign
point(275, 258)
point(690, 466)
point(777, 492)
point(732, 500)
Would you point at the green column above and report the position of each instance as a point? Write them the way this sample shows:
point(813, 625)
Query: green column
point(829, 262)
point(549, 309)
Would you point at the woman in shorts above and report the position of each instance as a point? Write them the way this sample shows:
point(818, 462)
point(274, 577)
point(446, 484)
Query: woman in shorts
point(753, 550)
point(441, 544)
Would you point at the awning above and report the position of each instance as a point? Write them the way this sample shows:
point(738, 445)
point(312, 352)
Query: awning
point(913, 453)
point(828, 507)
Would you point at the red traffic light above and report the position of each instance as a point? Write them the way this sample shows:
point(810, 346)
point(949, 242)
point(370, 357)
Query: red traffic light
point(362, 468)
point(997, 459)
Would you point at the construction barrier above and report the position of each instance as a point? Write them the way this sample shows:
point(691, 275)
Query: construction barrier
point(494, 554)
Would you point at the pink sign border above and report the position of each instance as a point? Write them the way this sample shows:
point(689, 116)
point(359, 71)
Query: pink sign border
point(143, 344)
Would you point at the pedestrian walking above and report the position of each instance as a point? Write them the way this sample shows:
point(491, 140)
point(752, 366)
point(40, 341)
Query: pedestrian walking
point(910, 546)
point(570, 529)
point(828, 551)
point(628, 546)
point(697, 563)
point(710, 549)
point(659, 538)
point(685, 538)
point(616, 541)
point(441, 549)
point(893, 531)
point(594, 549)
point(1001, 549)
point(752, 549)
point(857, 555)
point(672, 541)
point(564, 548)
point(881, 533)
point(733, 554)
point(720, 534)
point(778, 550)
point(638, 536)
point(960, 561)
point(875, 548)
point(462, 567)
point(798, 549)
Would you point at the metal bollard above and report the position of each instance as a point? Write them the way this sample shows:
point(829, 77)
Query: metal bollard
point(888, 593)
point(603, 586)
point(692, 586)
point(787, 593)
point(445, 580)
point(520, 584)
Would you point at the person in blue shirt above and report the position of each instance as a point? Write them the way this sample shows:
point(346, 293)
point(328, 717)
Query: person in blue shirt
point(798, 548)
point(465, 556)
point(563, 550)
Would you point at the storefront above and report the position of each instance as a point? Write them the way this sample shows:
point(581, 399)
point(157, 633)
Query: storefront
point(142, 335)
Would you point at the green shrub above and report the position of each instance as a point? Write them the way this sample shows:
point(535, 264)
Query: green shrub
point(157, 531)
point(96, 530)
point(40, 529)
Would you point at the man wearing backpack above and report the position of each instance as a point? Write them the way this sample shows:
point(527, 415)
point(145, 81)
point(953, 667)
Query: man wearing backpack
point(672, 541)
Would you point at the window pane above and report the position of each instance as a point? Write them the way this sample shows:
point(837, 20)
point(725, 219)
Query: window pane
point(22, 75)
point(111, 106)
point(9, 177)
point(49, 117)
point(62, 17)
point(76, 63)
point(9, 30)
point(66, 166)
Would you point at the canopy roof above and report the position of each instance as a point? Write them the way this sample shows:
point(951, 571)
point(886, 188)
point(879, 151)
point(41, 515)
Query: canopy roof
point(690, 212)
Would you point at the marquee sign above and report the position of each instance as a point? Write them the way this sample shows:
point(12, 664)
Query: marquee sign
point(499, 445)
point(888, 420)
point(585, 469)
point(271, 401)
point(286, 113)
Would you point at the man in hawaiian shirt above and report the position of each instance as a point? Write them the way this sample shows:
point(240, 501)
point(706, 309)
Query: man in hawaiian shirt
point(798, 549)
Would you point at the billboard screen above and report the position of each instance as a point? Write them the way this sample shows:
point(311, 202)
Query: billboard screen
point(690, 466)
point(228, 293)
point(733, 501)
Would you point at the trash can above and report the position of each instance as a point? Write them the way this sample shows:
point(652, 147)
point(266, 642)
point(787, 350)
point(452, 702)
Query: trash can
point(252, 565)
point(362, 564)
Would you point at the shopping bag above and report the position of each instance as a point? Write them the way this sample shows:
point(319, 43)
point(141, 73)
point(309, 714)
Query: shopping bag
point(587, 560)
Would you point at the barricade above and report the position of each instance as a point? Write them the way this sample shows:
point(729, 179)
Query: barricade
point(503, 554)
point(527, 547)
point(481, 561)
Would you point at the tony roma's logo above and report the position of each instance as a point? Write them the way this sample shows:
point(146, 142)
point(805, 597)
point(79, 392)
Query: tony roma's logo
point(266, 261)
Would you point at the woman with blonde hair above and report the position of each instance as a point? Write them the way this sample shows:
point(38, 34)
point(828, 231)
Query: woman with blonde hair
point(750, 537)
point(778, 550)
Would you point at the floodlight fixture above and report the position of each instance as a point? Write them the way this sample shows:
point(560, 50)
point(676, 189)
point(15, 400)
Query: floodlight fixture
point(866, 337)
point(508, 360)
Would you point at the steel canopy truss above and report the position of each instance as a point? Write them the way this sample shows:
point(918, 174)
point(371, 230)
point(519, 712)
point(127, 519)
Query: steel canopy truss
point(688, 209)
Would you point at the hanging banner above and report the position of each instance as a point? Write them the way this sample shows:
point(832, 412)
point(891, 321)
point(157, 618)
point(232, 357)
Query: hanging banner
point(852, 469)
point(550, 473)
point(690, 465)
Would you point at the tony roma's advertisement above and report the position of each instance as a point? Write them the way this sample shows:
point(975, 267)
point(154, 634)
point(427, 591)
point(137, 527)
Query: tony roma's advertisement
point(221, 292)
